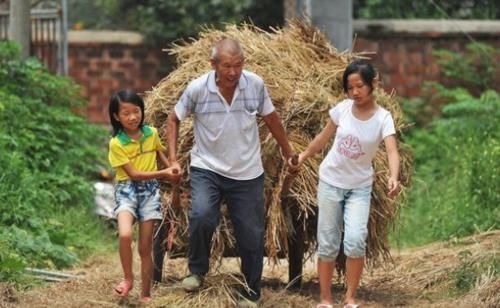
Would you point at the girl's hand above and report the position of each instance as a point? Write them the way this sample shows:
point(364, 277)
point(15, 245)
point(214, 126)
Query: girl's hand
point(172, 174)
point(174, 165)
point(394, 187)
point(295, 163)
point(302, 158)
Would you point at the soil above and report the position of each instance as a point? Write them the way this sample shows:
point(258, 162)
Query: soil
point(418, 277)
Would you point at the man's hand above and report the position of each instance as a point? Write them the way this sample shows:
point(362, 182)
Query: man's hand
point(293, 164)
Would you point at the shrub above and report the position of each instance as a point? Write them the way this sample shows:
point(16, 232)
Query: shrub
point(48, 160)
point(457, 155)
point(457, 161)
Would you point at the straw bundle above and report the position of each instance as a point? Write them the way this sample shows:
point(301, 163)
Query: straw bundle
point(303, 74)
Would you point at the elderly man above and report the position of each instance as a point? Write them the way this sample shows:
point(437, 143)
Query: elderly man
point(226, 160)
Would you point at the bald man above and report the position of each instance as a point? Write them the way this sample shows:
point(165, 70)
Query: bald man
point(226, 161)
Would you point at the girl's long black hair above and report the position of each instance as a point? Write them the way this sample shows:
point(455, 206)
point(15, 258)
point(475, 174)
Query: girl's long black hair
point(127, 96)
point(364, 69)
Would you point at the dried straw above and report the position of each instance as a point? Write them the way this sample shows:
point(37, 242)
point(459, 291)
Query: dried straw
point(431, 269)
point(303, 74)
point(420, 277)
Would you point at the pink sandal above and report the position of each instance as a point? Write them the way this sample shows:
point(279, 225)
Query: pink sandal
point(123, 288)
point(145, 299)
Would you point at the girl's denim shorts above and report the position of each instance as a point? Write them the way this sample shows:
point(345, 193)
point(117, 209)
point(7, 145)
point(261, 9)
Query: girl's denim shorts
point(140, 198)
point(344, 210)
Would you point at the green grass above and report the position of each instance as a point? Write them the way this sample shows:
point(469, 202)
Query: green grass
point(456, 183)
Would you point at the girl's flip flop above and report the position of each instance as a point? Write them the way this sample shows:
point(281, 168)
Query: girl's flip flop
point(145, 299)
point(123, 288)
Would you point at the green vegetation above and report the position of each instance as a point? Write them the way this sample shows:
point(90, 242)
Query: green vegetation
point(163, 21)
point(453, 9)
point(457, 157)
point(48, 158)
point(472, 72)
point(469, 271)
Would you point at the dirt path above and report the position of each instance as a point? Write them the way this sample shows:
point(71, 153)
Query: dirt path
point(418, 278)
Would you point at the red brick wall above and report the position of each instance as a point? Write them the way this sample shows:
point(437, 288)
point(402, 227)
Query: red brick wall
point(101, 69)
point(404, 61)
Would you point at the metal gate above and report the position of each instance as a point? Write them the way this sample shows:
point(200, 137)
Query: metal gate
point(48, 37)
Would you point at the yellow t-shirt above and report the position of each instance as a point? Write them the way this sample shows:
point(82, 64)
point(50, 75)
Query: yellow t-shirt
point(140, 153)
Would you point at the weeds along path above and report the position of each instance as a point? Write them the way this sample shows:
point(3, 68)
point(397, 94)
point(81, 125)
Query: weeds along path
point(420, 277)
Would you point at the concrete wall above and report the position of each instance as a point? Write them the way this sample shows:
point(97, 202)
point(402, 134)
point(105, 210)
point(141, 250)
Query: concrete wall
point(103, 62)
point(334, 17)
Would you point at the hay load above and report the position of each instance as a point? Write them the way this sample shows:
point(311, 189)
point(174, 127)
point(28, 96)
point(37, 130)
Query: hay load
point(303, 74)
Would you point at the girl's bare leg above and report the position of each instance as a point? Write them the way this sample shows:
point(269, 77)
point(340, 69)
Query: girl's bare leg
point(145, 249)
point(354, 268)
point(125, 222)
point(325, 272)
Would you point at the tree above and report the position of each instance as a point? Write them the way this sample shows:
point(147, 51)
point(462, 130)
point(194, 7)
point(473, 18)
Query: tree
point(163, 21)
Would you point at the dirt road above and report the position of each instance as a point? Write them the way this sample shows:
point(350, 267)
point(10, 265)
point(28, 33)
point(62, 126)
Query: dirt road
point(421, 277)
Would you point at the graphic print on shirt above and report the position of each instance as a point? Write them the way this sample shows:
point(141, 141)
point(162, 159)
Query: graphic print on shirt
point(350, 146)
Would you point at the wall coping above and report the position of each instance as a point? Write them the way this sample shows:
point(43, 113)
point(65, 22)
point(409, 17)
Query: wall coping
point(445, 26)
point(359, 25)
point(105, 36)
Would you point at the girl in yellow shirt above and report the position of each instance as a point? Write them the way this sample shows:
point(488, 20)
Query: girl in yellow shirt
point(133, 152)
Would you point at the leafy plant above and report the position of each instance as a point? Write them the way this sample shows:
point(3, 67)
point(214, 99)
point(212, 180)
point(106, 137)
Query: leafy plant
point(476, 69)
point(469, 271)
point(10, 263)
point(457, 160)
point(164, 21)
point(453, 9)
point(470, 72)
point(456, 153)
point(48, 161)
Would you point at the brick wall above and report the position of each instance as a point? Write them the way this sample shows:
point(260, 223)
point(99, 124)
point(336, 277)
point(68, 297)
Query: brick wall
point(103, 62)
point(402, 51)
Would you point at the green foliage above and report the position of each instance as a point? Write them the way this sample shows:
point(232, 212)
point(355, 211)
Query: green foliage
point(164, 21)
point(457, 160)
point(10, 262)
point(48, 158)
point(469, 271)
point(473, 71)
point(456, 144)
point(453, 9)
point(265, 13)
point(96, 14)
point(31, 79)
point(167, 20)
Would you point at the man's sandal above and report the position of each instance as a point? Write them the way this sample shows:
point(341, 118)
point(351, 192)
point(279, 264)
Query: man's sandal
point(123, 288)
point(351, 306)
point(324, 306)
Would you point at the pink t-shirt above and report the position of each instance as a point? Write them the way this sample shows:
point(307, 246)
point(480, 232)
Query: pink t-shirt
point(348, 164)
